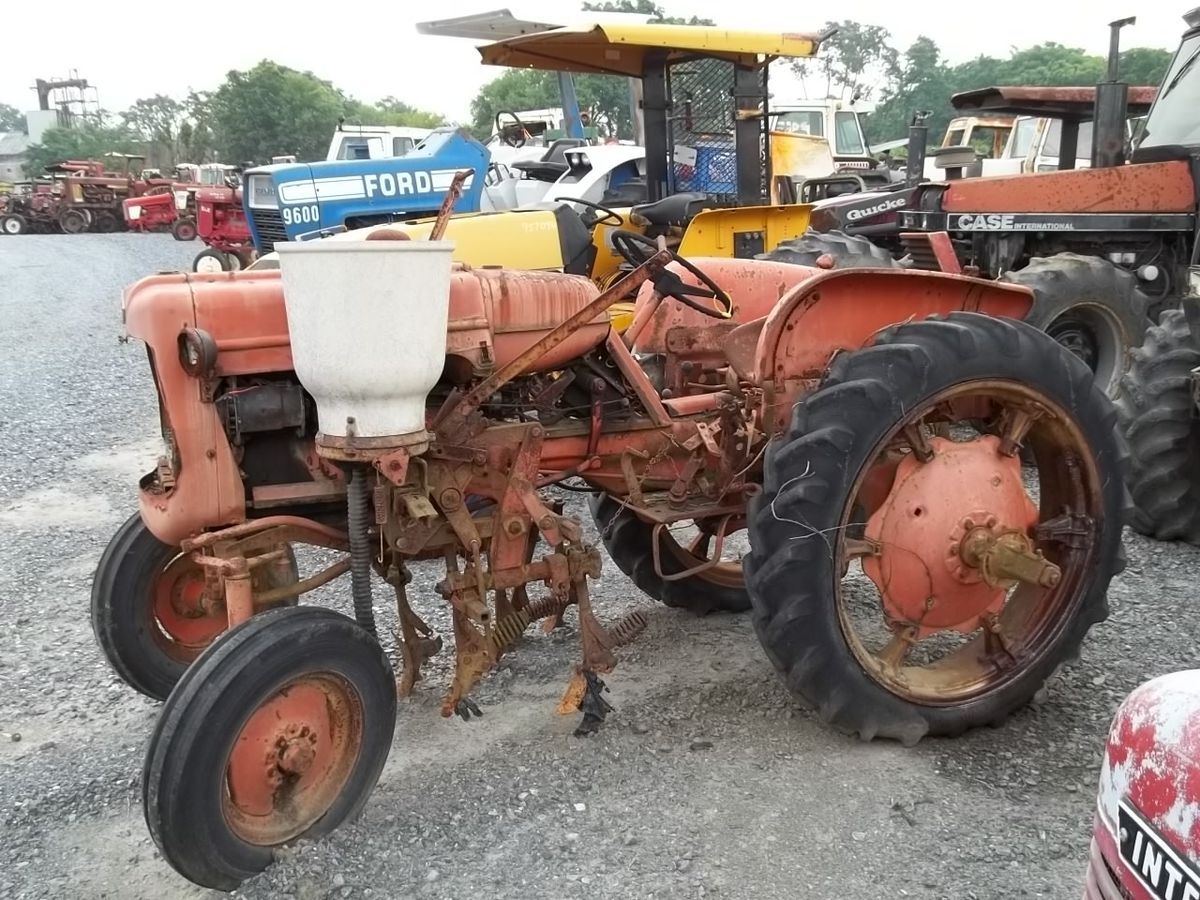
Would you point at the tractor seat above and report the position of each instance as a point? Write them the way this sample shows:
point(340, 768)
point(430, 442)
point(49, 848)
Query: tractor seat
point(678, 209)
point(741, 347)
point(553, 163)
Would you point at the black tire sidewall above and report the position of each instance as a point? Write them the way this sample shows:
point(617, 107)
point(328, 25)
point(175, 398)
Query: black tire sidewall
point(184, 777)
point(122, 609)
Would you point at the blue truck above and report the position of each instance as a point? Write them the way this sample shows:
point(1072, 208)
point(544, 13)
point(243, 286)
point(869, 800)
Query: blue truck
point(298, 201)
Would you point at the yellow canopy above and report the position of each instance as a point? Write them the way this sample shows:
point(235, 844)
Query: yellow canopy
point(621, 49)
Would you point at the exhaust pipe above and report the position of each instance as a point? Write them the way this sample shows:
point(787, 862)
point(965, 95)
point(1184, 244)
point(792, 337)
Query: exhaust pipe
point(918, 138)
point(1111, 111)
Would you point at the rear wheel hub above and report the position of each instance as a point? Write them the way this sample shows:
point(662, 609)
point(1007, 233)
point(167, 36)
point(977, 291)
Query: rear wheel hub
point(952, 537)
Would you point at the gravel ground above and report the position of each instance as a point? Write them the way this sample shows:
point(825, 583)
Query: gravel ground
point(707, 781)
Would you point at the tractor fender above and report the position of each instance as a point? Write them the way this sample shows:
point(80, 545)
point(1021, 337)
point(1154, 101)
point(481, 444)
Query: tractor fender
point(203, 486)
point(842, 309)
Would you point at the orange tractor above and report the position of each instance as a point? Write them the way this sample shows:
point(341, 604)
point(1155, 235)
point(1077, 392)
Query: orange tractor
point(864, 429)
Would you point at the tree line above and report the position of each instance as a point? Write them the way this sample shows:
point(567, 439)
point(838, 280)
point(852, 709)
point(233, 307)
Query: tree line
point(271, 109)
point(268, 110)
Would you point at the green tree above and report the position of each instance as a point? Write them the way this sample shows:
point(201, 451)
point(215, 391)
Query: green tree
point(197, 143)
point(87, 141)
point(853, 61)
point(11, 118)
point(1144, 65)
point(924, 81)
point(272, 109)
point(392, 111)
point(157, 120)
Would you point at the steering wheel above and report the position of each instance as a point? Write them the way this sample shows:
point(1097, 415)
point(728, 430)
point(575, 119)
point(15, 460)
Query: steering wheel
point(633, 248)
point(514, 140)
point(607, 215)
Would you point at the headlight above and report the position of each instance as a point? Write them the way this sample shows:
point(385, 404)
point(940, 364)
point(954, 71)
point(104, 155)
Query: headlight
point(197, 352)
point(262, 192)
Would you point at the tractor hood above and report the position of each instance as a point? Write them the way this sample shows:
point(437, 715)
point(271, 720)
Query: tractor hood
point(1145, 188)
point(1148, 808)
point(296, 201)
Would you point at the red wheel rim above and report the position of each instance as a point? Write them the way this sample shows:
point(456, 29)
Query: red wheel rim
point(950, 638)
point(292, 759)
point(185, 620)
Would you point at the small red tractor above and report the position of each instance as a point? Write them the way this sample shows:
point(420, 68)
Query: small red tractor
point(1146, 835)
point(865, 429)
point(221, 224)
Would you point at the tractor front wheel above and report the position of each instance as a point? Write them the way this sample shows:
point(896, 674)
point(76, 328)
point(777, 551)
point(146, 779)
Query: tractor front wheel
point(278, 733)
point(630, 541)
point(184, 229)
point(1158, 419)
point(1091, 307)
point(909, 583)
point(13, 224)
point(212, 261)
point(150, 612)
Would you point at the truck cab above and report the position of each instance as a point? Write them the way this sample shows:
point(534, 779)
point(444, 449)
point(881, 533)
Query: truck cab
point(374, 141)
point(818, 137)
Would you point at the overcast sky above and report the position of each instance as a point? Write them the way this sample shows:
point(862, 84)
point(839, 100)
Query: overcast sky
point(370, 48)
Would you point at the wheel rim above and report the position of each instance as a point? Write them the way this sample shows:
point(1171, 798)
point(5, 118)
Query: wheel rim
point(185, 620)
point(292, 759)
point(690, 544)
point(12, 226)
point(1091, 334)
point(209, 265)
point(944, 635)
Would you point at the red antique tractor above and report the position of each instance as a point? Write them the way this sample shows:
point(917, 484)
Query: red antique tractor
point(865, 429)
point(221, 224)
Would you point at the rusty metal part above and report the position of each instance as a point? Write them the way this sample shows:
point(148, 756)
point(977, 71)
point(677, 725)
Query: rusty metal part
point(300, 529)
point(417, 641)
point(1007, 557)
point(1163, 187)
point(239, 594)
point(453, 417)
point(931, 508)
point(638, 380)
point(326, 575)
point(597, 642)
point(472, 657)
point(453, 193)
point(509, 628)
point(628, 628)
point(292, 759)
point(713, 559)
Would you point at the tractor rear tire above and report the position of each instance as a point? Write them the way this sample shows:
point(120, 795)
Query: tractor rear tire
point(810, 478)
point(73, 221)
point(131, 634)
point(627, 538)
point(184, 229)
point(846, 250)
point(13, 224)
point(1158, 420)
point(1091, 307)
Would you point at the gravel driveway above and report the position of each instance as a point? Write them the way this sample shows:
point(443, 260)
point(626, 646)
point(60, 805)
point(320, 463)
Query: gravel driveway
point(708, 781)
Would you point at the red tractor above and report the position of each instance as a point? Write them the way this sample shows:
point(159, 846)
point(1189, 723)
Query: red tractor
point(864, 428)
point(1106, 249)
point(221, 224)
point(1146, 836)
